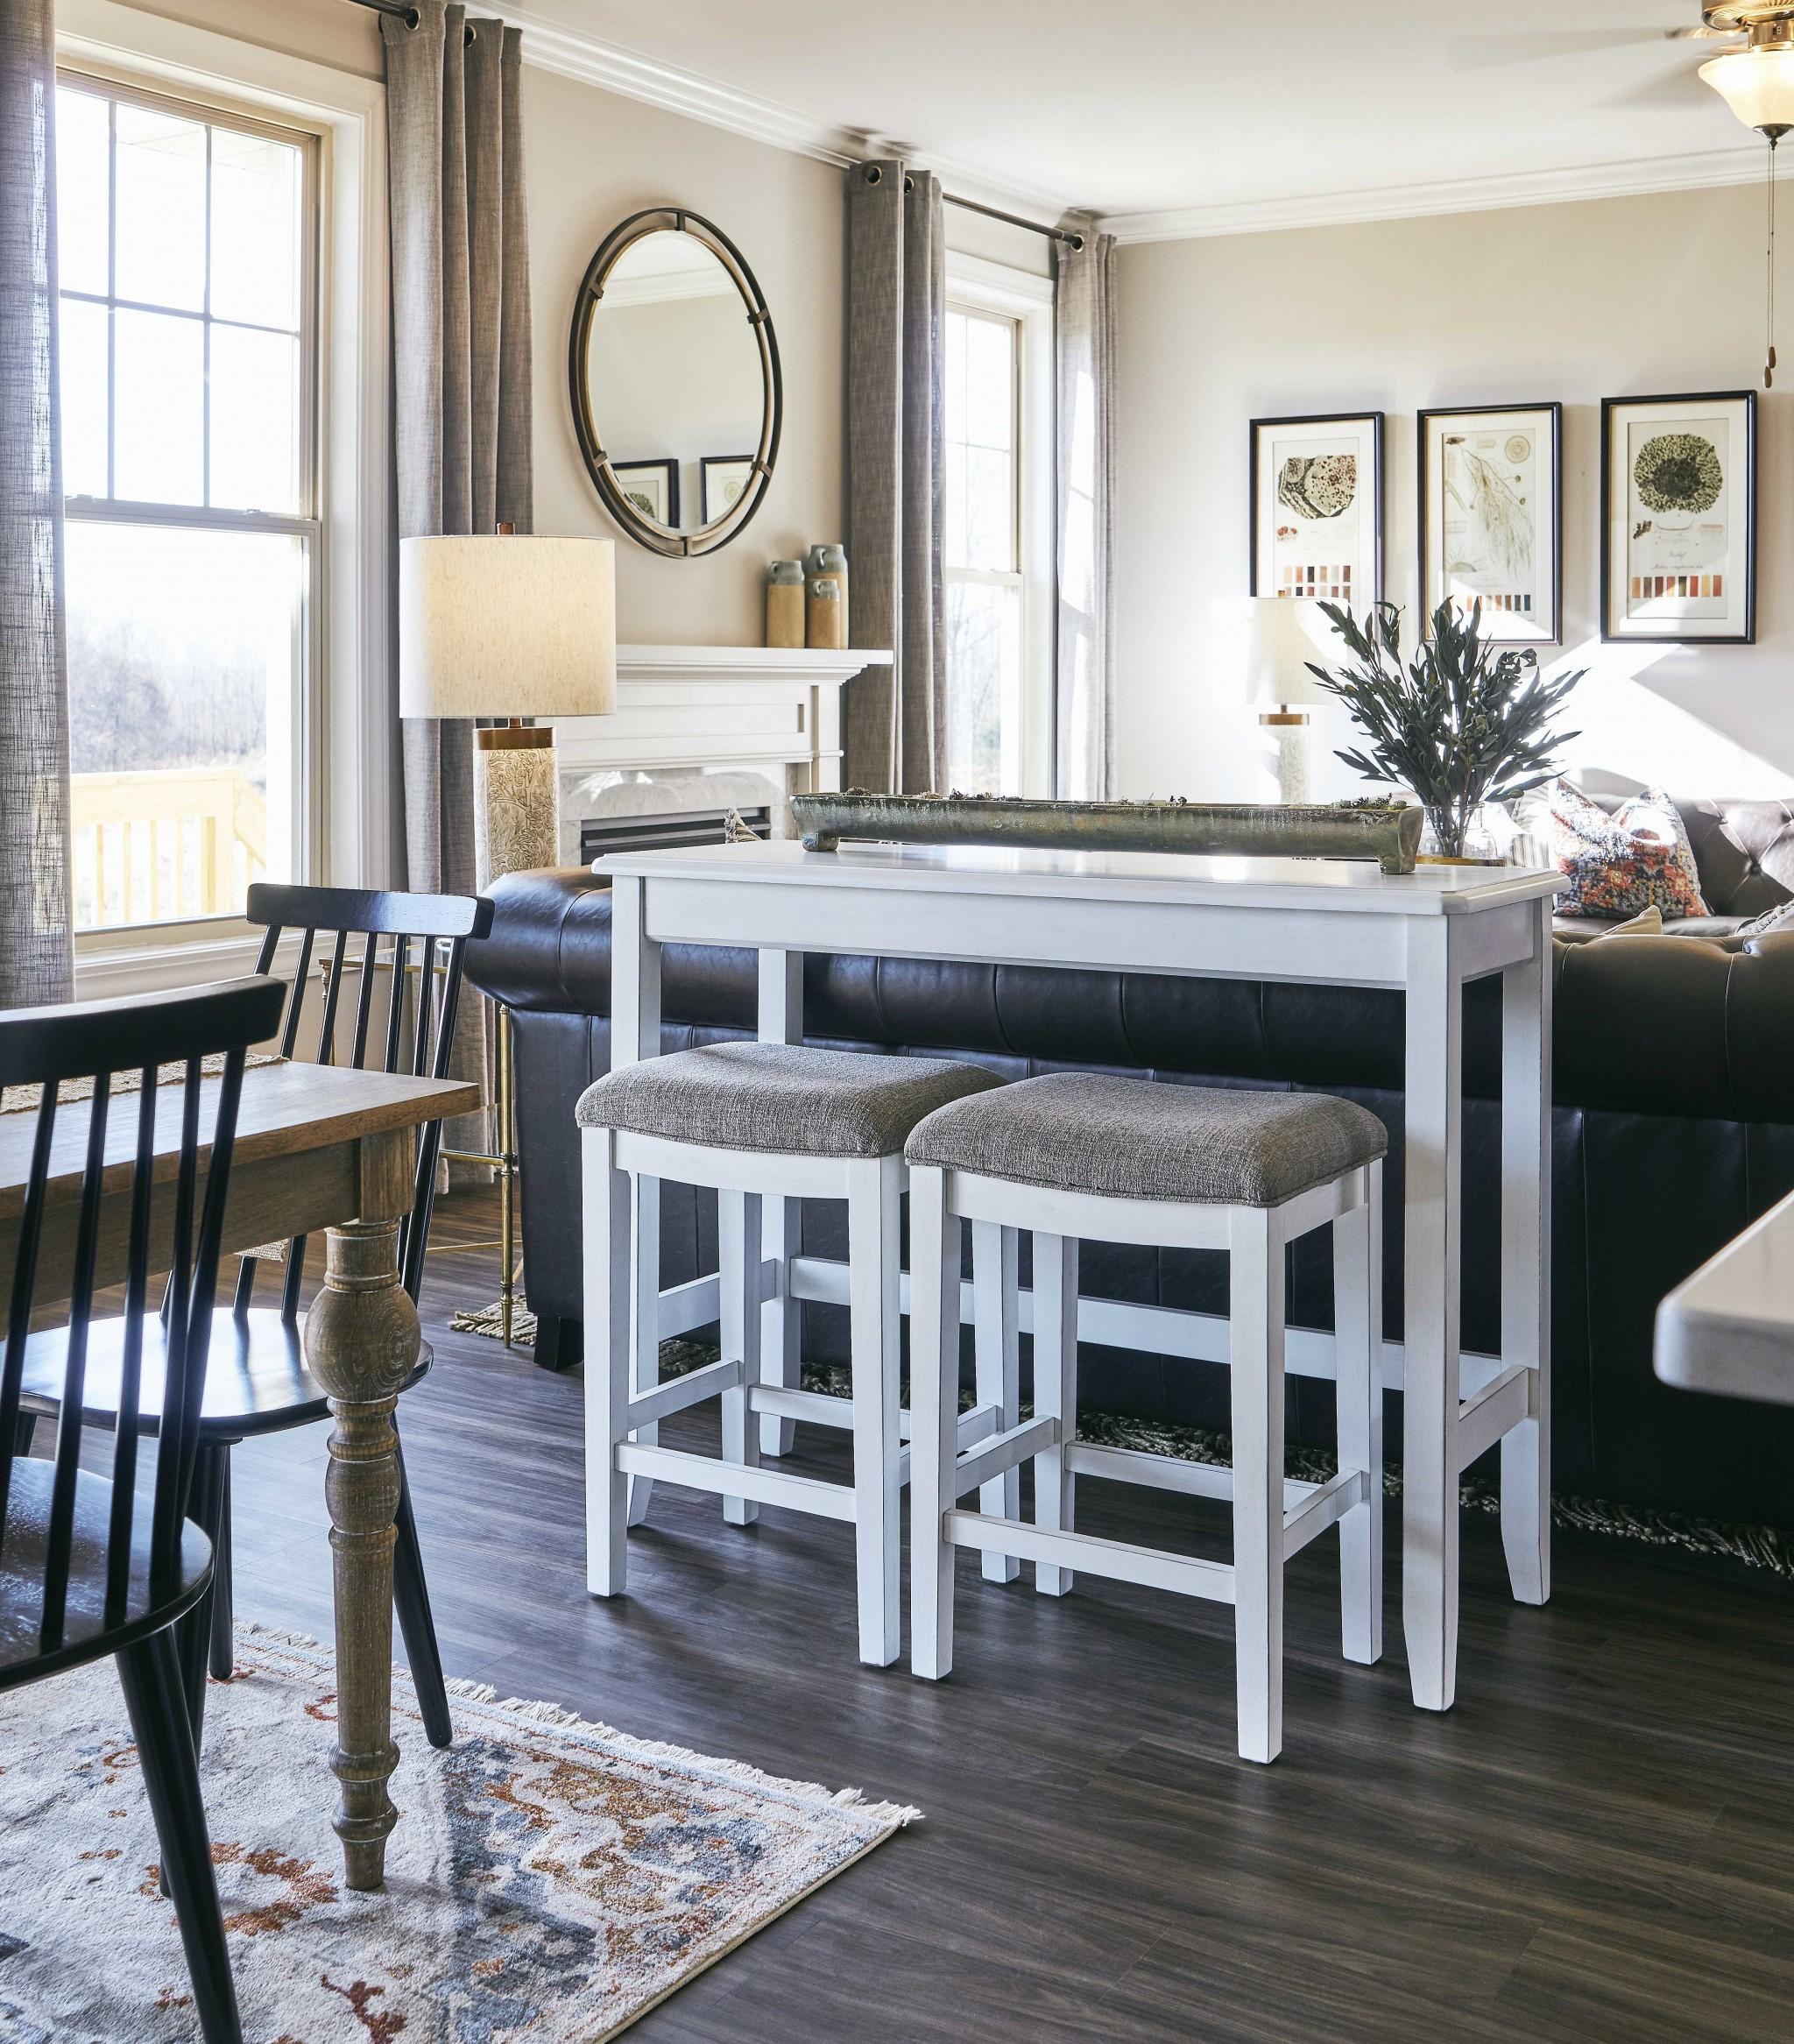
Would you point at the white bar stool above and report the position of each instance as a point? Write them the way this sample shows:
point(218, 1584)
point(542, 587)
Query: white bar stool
point(753, 1122)
point(1124, 1160)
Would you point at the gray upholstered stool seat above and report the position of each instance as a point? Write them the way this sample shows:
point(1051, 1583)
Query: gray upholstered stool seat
point(1133, 1139)
point(778, 1097)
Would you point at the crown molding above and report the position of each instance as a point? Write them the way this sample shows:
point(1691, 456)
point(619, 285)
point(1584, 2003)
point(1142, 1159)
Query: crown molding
point(551, 47)
point(1539, 188)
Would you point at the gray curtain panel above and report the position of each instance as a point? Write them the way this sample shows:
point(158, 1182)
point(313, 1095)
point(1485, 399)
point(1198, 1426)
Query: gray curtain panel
point(895, 735)
point(461, 347)
point(1084, 675)
point(37, 953)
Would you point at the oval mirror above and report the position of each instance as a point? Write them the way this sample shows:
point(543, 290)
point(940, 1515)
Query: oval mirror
point(675, 386)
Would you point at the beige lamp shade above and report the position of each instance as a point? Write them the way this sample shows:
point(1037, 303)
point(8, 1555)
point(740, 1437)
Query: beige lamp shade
point(510, 625)
point(1270, 639)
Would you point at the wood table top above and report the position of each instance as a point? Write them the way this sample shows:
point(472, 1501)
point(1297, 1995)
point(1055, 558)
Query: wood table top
point(286, 1109)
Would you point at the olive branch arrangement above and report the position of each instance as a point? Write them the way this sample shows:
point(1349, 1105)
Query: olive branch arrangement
point(1464, 724)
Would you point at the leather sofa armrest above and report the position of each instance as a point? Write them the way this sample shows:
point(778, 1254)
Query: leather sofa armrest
point(550, 946)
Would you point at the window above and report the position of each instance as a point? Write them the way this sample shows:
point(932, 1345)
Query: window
point(187, 247)
point(998, 541)
point(983, 554)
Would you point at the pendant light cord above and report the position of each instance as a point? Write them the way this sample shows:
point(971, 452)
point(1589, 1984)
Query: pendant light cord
point(1769, 370)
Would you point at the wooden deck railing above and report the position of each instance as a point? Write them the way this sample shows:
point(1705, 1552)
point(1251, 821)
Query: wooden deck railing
point(161, 846)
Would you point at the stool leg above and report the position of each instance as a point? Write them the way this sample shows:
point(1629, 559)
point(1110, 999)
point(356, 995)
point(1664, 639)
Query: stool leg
point(645, 1321)
point(1054, 1392)
point(781, 1334)
point(934, 1415)
point(994, 1260)
point(1255, 1346)
point(874, 1255)
point(1358, 1322)
point(738, 1233)
point(608, 1267)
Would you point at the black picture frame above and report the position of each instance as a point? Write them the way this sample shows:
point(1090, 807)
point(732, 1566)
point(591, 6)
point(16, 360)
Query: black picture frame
point(1673, 402)
point(1423, 527)
point(666, 469)
point(707, 462)
point(1371, 423)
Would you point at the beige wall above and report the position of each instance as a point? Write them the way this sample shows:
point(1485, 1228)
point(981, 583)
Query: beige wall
point(595, 157)
point(592, 158)
point(1574, 302)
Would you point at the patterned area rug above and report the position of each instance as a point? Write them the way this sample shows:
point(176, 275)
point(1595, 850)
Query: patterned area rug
point(549, 1879)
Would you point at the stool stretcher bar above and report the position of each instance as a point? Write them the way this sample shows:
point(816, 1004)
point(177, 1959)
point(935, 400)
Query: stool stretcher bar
point(750, 1480)
point(1117, 1559)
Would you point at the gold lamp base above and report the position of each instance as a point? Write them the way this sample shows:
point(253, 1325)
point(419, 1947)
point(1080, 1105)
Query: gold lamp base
point(516, 801)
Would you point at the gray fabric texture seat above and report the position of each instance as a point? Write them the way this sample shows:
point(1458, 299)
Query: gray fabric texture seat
point(1132, 1139)
point(778, 1097)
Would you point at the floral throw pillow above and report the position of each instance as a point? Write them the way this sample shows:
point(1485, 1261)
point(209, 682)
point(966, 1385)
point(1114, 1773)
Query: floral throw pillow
point(1637, 857)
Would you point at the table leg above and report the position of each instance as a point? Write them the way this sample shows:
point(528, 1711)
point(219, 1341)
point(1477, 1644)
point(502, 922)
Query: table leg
point(1526, 1261)
point(1433, 1170)
point(635, 1034)
point(781, 1327)
point(361, 1342)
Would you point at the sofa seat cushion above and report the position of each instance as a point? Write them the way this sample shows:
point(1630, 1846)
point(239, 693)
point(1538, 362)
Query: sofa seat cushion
point(1132, 1139)
point(1707, 928)
point(785, 1098)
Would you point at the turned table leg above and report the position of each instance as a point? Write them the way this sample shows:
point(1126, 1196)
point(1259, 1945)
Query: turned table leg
point(361, 1342)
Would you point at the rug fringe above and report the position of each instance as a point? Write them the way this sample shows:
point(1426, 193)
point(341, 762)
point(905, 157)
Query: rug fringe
point(536, 1710)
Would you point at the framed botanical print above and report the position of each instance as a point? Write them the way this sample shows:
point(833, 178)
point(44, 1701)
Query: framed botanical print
point(1678, 518)
point(720, 478)
point(652, 487)
point(1317, 508)
point(1491, 518)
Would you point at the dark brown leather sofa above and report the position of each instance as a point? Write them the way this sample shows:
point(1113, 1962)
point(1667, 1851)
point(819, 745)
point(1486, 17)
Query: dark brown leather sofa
point(1674, 1126)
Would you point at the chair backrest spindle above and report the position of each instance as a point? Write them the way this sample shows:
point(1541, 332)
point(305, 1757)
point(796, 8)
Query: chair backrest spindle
point(65, 1244)
point(441, 926)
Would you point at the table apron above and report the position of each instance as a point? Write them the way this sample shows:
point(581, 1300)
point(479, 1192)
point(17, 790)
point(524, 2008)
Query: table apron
point(270, 1200)
point(1298, 945)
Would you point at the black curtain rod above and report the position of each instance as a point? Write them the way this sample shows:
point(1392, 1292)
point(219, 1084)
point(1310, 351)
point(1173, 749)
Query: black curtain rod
point(1070, 239)
point(402, 11)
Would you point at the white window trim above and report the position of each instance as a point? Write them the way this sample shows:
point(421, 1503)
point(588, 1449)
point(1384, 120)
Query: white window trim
point(982, 286)
point(354, 753)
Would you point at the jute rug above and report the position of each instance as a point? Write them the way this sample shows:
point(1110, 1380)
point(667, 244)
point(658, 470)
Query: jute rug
point(548, 1879)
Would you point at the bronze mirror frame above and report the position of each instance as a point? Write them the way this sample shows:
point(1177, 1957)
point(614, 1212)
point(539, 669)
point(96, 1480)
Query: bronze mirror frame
point(648, 532)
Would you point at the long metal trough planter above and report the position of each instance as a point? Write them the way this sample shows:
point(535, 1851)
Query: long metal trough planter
point(1391, 836)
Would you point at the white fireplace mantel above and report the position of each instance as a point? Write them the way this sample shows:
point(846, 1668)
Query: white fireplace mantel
point(761, 710)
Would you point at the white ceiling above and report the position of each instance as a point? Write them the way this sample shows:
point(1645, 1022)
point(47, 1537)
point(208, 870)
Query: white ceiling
point(1128, 107)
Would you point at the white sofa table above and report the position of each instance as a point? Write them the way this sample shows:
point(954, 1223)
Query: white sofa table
point(1424, 934)
point(1730, 1327)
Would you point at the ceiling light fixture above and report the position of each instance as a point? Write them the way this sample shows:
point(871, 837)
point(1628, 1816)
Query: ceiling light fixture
point(1757, 83)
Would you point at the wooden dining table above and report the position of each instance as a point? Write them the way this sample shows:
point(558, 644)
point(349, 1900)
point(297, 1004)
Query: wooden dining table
point(319, 1148)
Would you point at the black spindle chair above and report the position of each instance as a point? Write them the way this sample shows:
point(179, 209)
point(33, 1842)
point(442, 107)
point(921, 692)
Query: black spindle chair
point(258, 1383)
point(87, 1568)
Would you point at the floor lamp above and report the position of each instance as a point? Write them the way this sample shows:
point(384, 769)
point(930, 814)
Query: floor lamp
point(501, 626)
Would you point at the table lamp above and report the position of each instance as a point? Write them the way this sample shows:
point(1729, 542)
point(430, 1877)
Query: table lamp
point(503, 626)
point(1274, 637)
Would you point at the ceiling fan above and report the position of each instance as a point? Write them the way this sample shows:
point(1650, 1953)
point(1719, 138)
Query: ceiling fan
point(1754, 75)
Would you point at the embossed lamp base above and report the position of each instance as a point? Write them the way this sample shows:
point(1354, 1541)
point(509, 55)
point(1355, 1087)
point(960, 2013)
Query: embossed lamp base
point(1286, 730)
point(516, 801)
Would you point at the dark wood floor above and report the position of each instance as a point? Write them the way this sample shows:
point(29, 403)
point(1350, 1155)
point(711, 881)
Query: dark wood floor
point(1597, 1843)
